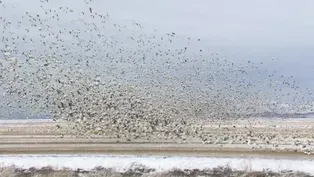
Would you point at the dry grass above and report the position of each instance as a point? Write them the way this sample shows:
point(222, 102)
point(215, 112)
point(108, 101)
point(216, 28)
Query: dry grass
point(140, 170)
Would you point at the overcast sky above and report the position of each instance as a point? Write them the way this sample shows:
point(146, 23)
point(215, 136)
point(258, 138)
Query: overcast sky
point(238, 29)
point(243, 22)
point(243, 29)
point(267, 23)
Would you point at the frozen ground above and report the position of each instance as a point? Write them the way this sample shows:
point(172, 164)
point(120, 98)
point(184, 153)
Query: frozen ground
point(160, 163)
point(27, 144)
point(11, 121)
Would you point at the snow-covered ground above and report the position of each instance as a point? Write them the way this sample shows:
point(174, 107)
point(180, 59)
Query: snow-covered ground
point(8, 121)
point(160, 163)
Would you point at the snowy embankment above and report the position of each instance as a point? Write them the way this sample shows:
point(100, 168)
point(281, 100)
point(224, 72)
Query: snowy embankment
point(158, 163)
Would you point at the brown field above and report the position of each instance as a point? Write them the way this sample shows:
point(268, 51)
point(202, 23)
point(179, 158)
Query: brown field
point(291, 138)
point(277, 137)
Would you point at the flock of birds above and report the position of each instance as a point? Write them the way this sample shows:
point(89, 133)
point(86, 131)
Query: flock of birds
point(106, 78)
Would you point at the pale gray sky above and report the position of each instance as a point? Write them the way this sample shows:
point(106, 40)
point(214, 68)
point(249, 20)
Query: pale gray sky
point(239, 30)
point(244, 29)
point(242, 22)
point(267, 23)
